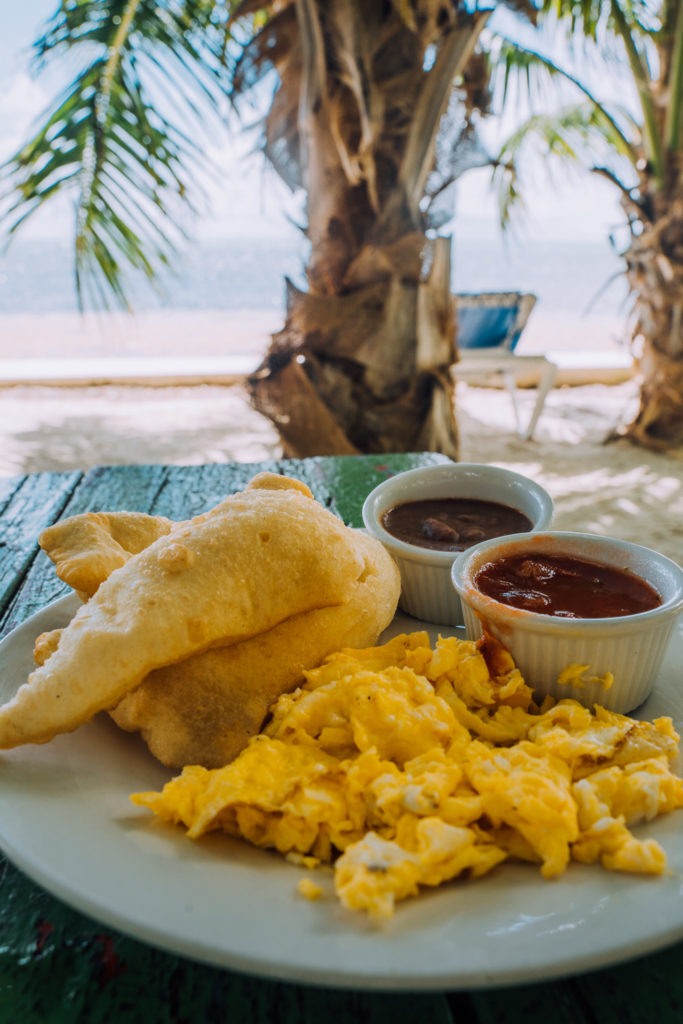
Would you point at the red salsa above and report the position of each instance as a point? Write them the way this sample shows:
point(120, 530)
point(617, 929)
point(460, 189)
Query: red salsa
point(452, 524)
point(566, 587)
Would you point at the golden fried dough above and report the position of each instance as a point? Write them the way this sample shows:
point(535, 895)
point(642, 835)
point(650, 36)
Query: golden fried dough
point(262, 556)
point(276, 482)
point(86, 548)
point(45, 645)
point(205, 709)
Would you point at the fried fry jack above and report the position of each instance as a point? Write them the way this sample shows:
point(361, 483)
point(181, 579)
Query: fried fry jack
point(263, 556)
point(205, 709)
point(87, 548)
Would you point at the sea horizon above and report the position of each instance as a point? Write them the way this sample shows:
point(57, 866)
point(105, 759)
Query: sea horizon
point(577, 275)
point(228, 295)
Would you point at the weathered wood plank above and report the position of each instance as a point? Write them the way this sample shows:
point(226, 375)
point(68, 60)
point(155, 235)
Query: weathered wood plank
point(557, 1002)
point(38, 502)
point(9, 485)
point(190, 490)
point(647, 989)
point(110, 487)
point(117, 488)
point(348, 479)
point(340, 483)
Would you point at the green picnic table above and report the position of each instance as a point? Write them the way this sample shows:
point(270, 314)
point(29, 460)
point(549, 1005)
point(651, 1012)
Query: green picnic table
point(57, 964)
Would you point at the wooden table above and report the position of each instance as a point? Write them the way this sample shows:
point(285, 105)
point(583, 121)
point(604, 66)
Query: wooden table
point(58, 965)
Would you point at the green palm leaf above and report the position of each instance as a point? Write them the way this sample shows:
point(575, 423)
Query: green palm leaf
point(583, 132)
point(106, 141)
point(572, 134)
point(538, 73)
point(634, 24)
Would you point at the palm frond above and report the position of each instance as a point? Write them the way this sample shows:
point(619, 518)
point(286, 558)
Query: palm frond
point(107, 142)
point(430, 104)
point(459, 148)
point(573, 134)
point(595, 19)
point(536, 72)
point(635, 26)
point(674, 115)
point(264, 50)
point(508, 193)
point(640, 69)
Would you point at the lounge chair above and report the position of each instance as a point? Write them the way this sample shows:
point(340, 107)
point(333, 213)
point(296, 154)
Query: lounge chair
point(489, 325)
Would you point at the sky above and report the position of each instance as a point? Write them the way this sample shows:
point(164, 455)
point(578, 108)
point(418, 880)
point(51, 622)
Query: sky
point(251, 200)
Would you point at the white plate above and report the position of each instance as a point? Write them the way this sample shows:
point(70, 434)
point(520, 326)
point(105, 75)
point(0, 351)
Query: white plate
point(66, 820)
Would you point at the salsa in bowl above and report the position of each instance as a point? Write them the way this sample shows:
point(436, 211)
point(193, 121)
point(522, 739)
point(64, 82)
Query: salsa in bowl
point(583, 616)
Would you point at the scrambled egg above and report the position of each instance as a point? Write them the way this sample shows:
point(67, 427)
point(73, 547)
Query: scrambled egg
point(574, 675)
point(407, 766)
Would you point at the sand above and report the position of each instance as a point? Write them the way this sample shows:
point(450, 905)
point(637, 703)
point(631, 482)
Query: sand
point(220, 332)
point(614, 488)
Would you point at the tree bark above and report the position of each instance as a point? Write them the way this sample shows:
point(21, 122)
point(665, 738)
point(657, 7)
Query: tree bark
point(361, 364)
point(655, 274)
point(366, 371)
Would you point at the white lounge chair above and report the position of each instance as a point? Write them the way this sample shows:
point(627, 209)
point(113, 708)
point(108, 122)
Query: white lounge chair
point(489, 325)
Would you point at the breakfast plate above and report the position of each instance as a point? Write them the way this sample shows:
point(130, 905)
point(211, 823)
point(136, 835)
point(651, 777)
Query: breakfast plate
point(67, 821)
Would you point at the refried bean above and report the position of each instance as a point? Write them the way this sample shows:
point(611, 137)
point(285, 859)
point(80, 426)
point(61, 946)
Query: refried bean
point(452, 524)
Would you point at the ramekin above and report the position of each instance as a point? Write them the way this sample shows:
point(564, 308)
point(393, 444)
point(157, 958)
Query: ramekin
point(427, 591)
point(629, 647)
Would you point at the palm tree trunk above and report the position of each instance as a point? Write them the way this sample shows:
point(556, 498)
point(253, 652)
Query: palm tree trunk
point(655, 274)
point(362, 362)
point(367, 370)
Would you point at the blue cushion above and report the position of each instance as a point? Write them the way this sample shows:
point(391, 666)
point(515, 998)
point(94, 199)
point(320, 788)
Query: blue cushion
point(486, 326)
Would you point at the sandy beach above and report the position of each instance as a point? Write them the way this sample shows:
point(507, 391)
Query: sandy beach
point(223, 332)
point(613, 488)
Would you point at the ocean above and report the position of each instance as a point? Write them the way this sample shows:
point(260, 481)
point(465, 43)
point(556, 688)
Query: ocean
point(36, 276)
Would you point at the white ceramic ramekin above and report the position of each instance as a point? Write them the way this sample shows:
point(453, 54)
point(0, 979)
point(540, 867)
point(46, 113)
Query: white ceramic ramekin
point(426, 589)
point(630, 647)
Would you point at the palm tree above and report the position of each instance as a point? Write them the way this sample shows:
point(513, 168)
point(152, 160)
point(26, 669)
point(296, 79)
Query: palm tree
point(640, 150)
point(361, 107)
point(373, 114)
